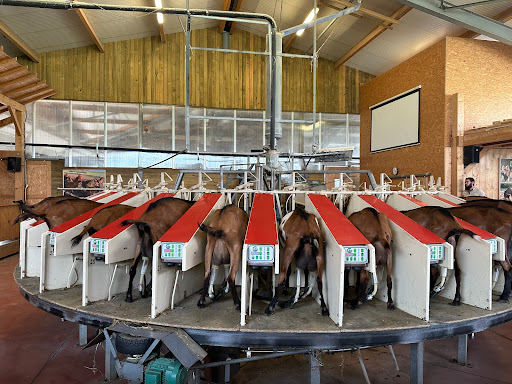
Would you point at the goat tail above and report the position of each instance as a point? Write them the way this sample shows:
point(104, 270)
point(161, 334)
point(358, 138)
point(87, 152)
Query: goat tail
point(459, 231)
point(77, 239)
point(210, 231)
point(18, 202)
point(128, 222)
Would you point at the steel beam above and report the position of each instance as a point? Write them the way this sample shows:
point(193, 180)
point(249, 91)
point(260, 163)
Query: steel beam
point(464, 18)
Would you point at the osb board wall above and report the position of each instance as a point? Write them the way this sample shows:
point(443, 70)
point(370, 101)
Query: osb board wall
point(486, 172)
point(481, 71)
point(425, 69)
point(7, 184)
point(39, 175)
point(7, 215)
point(145, 70)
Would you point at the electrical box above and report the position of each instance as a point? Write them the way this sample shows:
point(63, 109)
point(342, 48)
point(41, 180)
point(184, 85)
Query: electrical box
point(98, 246)
point(494, 245)
point(436, 252)
point(356, 255)
point(260, 254)
point(172, 251)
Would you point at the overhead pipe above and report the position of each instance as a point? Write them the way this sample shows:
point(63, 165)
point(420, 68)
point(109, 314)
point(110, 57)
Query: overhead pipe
point(68, 5)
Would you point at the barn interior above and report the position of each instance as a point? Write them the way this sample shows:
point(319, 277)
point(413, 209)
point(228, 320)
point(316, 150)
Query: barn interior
point(359, 103)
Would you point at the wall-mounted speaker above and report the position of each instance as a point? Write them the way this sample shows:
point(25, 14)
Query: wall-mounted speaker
point(14, 164)
point(471, 154)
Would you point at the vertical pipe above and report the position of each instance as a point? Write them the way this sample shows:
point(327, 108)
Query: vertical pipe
point(416, 375)
point(33, 130)
point(105, 111)
point(315, 146)
point(273, 90)
point(319, 130)
point(173, 127)
point(291, 141)
point(234, 132)
point(70, 153)
point(141, 130)
point(204, 131)
point(462, 349)
point(187, 85)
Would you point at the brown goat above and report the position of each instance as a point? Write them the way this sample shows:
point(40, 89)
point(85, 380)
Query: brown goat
point(152, 225)
point(483, 202)
point(375, 227)
point(63, 211)
point(38, 208)
point(498, 222)
point(304, 242)
point(441, 222)
point(101, 219)
point(225, 239)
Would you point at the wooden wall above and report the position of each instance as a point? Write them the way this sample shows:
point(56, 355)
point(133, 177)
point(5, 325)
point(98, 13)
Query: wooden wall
point(486, 171)
point(145, 70)
point(425, 69)
point(480, 71)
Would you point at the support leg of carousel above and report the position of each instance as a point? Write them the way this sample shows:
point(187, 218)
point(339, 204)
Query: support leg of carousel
point(416, 375)
point(462, 349)
point(314, 366)
point(82, 334)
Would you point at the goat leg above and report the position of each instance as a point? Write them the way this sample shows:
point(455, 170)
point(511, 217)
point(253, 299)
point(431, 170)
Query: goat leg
point(269, 310)
point(507, 287)
point(133, 272)
point(323, 306)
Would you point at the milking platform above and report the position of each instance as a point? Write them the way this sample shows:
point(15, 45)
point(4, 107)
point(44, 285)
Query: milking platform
point(301, 327)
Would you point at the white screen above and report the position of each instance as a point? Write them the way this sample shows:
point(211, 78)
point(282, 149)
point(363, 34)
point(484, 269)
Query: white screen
point(396, 122)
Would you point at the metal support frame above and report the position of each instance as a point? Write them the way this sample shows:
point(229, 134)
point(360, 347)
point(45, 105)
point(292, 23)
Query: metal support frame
point(462, 349)
point(82, 334)
point(464, 18)
point(416, 374)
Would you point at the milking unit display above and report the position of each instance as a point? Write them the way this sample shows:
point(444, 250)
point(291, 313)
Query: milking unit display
point(177, 272)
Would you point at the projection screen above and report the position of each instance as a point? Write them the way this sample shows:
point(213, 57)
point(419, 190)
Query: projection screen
point(396, 121)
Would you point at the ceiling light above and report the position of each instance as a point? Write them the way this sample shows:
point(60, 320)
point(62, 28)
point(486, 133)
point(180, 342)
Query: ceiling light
point(159, 15)
point(307, 20)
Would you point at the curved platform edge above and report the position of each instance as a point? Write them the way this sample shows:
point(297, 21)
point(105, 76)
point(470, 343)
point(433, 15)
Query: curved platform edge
point(328, 341)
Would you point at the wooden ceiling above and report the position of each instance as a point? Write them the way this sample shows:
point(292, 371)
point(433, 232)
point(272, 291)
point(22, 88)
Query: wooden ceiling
point(18, 86)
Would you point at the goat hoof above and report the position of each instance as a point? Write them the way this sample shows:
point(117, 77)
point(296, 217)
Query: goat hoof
point(238, 308)
point(325, 312)
point(502, 299)
point(201, 304)
point(455, 303)
point(391, 306)
point(128, 299)
point(268, 312)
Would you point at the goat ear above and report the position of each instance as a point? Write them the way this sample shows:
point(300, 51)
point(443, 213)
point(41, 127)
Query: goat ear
point(315, 243)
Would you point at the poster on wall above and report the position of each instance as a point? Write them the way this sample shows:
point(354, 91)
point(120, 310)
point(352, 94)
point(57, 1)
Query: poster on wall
point(505, 176)
point(82, 183)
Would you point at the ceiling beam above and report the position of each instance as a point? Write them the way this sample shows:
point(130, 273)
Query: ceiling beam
point(15, 120)
point(6, 121)
point(397, 15)
point(14, 81)
point(17, 41)
point(11, 103)
point(8, 60)
point(503, 16)
point(32, 99)
point(162, 33)
point(87, 24)
point(12, 71)
point(369, 12)
point(15, 91)
point(225, 7)
point(353, 14)
point(236, 9)
point(466, 19)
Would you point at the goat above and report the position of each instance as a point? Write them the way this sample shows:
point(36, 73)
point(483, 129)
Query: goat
point(441, 222)
point(484, 202)
point(101, 219)
point(152, 224)
point(39, 207)
point(498, 222)
point(225, 239)
point(62, 211)
point(304, 242)
point(375, 227)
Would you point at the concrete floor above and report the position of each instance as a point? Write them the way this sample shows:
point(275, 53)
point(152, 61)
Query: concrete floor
point(37, 347)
